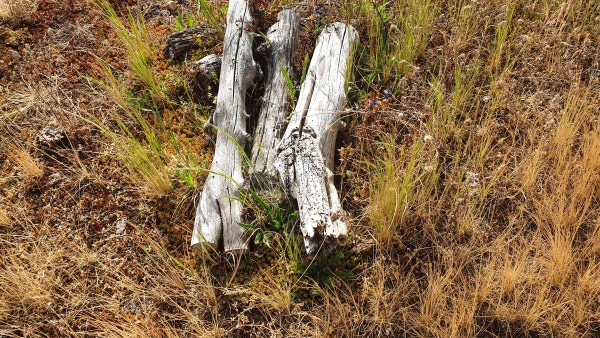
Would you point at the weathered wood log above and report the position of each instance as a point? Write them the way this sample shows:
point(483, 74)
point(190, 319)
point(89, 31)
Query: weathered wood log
point(180, 44)
point(205, 72)
point(220, 210)
point(276, 106)
point(306, 152)
point(207, 67)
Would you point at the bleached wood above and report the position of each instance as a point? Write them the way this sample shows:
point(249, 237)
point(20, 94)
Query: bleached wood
point(207, 67)
point(219, 211)
point(305, 155)
point(204, 73)
point(276, 105)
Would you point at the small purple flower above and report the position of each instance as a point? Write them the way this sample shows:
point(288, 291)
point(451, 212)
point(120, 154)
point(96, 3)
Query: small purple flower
point(387, 94)
point(373, 103)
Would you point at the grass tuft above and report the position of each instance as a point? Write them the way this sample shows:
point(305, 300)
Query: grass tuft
point(138, 46)
point(29, 167)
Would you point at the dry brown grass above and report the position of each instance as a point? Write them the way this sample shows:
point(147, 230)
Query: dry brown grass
point(276, 293)
point(28, 166)
point(86, 292)
point(4, 217)
point(32, 99)
point(17, 10)
point(506, 196)
point(473, 188)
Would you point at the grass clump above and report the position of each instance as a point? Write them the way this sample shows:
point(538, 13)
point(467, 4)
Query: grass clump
point(398, 189)
point(207, 9)
point(29, 167)
point(138, 46)
point(145, 158)
point(146, 142)
point(396, 35)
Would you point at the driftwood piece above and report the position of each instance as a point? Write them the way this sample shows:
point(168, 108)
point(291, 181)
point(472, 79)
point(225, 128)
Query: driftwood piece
point(306, 152)
point(180, 44)
point(276, 105)
point(220, 210)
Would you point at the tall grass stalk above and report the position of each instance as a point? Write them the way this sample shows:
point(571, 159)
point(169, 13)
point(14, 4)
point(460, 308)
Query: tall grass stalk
point(146, 159)
point(207, 10)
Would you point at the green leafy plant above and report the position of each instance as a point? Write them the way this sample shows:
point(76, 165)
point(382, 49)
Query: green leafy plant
point(273, 219)
point(325, 270)
point(185, 21)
